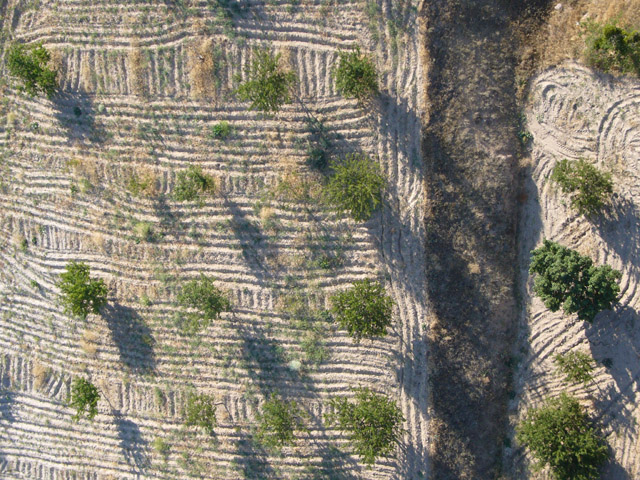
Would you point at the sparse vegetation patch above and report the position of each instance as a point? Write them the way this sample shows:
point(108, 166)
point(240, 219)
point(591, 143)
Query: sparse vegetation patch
point(590, 189)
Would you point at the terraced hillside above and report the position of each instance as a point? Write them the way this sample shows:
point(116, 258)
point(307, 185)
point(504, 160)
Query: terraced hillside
point(575, 113)
point(90, 176)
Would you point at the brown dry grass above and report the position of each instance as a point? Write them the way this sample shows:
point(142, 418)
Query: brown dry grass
point(201, 69)
point(40, 374)
point(137, 72)
point(88, 343)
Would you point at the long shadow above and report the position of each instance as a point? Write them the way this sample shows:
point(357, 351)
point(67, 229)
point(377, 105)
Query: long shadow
point(334, 464)
point(133, 446)
point(132, 337)
point(619, 227)
point(77, 114)
point(7, 400)
point(253, 460)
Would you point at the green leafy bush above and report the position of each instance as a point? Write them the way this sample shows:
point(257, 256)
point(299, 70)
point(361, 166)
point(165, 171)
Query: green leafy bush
point(372, 422)
point(29, 64)
point(364, 310)
point(356, 75)
point(200, 411)
point(356, 186)
point(80, 294)
point(590, 188)
point(84, 398)
point(191, 183)
point(559, 434)
point(221, 130)
point(569, 280)
point(575, 366)
point(610, 47)
point(278, 422)
point(268, 85)
point(202, 295)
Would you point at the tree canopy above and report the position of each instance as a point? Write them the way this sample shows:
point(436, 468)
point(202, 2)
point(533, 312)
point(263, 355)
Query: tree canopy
point(203, 296)
point(356, 75)
point(268, 85)
point(590, 189)
point(372, 422)
point(356, 186)
point(200, 411)
point(559, 434)
point(610, 47)
point(565, 279)
point(278, 421)
point(84, 398)
point(364, 310)
point(29, 64)
point(81, 295)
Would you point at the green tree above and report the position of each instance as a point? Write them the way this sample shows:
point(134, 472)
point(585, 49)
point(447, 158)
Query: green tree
point(81, 295)
point(278, 422)
point(268, 85)
point(356, 186)
point(356, 75)
point(208, 301)
point(610, 47)
point(559, 434)
point(590, 189)
point(575, 366)
point(372, 422)
point(191, 183)
point(29, 64)
point(84, 398)
point(569, 280)
point(200, 411)
point(364, 310)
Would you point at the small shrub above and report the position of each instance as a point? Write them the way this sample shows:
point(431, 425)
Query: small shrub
point(590, 188)
point(221, 130)
point(84, 398)
point(200, 411)
point(161, 446)
point(29, 64)
point(356, 186)
point(356, 75)
point(364, 310)
point(575, 366)
point(80, 294)
point(278, 422)
point(559, 434)
point(268, 85)
point(142, 183)
point(372, 422)
point(191, 183)
point(569, 280)
point(201, 295)
point(610, 47)
point(314, 348)
point(143, 232)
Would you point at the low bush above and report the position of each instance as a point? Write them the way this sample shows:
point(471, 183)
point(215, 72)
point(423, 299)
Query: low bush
point(81, 295)
point(565, 279)
point(221, 130)
point(356, 186)
point(590, 189)
point(364, 310)
point(575, 366)
point(610, 47)
point(372, 422)
point(191, 183)
point(84, 398)
point(200, 411)
point(356, 75)
point(560, 435)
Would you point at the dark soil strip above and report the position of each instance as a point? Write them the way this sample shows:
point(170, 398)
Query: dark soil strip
point(471, 150)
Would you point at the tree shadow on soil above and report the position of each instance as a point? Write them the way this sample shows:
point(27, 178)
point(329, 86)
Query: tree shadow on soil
point(253, 459)
point(76, 113)
point(131, 336)
point(619, 227)
point(133, 446)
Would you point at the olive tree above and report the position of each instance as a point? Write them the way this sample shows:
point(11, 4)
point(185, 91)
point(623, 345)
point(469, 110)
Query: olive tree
point(610, 47)
point(356, 186)
point(29, 64)
point(200, 411)
point(278, 421)
point(575, 366)
point(84, 398)
point(364, 310)
point(206, 299)
point(565, 279)
point(372, 421)
point(356, 75)
point(560, 435)
point(81, 294)
point(268, 85)
point(590, 189)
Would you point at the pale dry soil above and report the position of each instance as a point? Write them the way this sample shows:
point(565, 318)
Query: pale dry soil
point(141, 86)
point(575, 113)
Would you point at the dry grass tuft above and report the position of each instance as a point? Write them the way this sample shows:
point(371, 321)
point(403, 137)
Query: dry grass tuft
point(201, 69)
point(88, 343)
point(40, 374)
point(137, 72)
